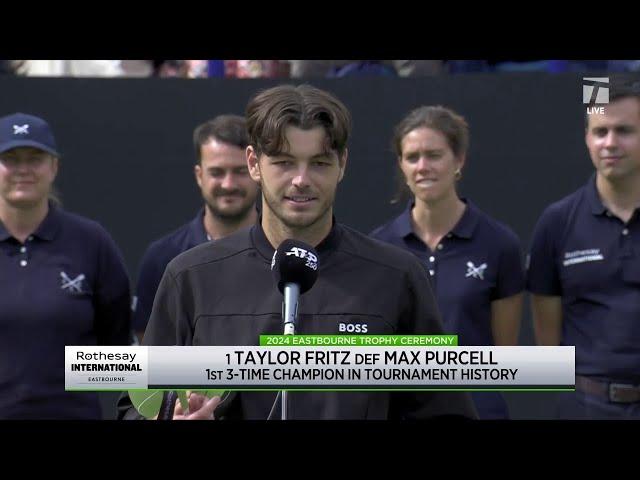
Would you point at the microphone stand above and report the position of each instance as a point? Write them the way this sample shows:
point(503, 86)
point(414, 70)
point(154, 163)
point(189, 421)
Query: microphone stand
point(166, 407)
point(289, 313)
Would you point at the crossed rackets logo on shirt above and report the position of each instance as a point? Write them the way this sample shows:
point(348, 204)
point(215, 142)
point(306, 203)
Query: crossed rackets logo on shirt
point(476, 272)
point(71, 285)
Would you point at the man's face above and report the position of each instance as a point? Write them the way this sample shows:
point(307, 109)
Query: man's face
point(429, 164)
point(223, 178)
point(26, 176)
point(613, 139)
point(299, 184)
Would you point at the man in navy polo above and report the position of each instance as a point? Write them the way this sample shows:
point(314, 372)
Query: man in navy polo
point(229, 196)
point(62, 281)
point(584, 272)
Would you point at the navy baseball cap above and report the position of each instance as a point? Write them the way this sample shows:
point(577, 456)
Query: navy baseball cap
point(22, 130)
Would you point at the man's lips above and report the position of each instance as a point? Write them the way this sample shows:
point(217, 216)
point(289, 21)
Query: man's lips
point(229, 195)
point(300, 199)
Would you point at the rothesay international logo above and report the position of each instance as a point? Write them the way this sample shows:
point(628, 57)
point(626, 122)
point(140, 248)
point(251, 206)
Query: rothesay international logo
point(582, 256)
point(105, 367)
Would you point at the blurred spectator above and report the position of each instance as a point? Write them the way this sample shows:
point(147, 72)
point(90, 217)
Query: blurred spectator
point(521, 66)
point(70, 68)
point(363, 68)
point(137, 68)
point(418, 68)
point(623, 65)
point(256, 69)
point(181, 68)
point(170, 68)
point(551, 66)
point(78, 68)
point(197, 68)
point(215, 68)
point(302, 68)
point(313, 68)
point(327, 68)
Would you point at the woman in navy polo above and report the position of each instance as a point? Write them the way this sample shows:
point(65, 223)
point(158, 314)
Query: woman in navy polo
point(474, 262)
point(62, 281)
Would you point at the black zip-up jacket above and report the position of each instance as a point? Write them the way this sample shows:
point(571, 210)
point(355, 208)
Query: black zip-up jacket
point(224, 293)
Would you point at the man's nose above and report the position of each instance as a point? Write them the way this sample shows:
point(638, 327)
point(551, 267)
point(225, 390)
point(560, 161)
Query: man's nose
point(228, 182)
point(611, 139)
point(301, 178)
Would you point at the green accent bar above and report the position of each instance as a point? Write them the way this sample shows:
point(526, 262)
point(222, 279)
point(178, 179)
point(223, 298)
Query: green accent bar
point(358, 340)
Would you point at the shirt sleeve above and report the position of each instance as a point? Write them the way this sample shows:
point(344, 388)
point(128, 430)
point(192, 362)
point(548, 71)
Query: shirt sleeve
point(112, 301)
point(421, 317)
point(510, 278)
point(151, 269)
point(542, 270)
point(170, 322)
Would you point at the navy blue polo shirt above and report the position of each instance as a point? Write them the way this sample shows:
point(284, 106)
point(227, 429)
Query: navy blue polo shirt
point(66, 285)
point(477, 262)
point(591, 258)
point(155, 261)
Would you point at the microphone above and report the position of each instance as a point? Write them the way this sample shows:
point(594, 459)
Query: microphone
point(295, 269)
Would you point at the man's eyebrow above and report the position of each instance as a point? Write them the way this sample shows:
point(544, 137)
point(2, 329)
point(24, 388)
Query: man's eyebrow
point(430, 149)
point(317, 155)
point(322, 155)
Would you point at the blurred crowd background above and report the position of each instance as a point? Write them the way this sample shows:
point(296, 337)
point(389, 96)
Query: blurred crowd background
point(299, 68)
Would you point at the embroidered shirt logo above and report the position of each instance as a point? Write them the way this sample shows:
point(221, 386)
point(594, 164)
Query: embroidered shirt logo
point(476, 272)
point(21, 129)
point(582, 256)
point(71, 285)
point(353, 327)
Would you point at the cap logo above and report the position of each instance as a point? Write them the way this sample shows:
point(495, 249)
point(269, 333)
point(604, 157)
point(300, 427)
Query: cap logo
point(21, 130)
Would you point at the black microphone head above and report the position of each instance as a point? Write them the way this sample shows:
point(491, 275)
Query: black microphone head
point(295, 262)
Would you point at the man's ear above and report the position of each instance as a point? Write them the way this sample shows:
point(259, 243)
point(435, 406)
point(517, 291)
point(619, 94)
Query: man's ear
point(253, 164)
point(342, 162)
point(197, 171)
